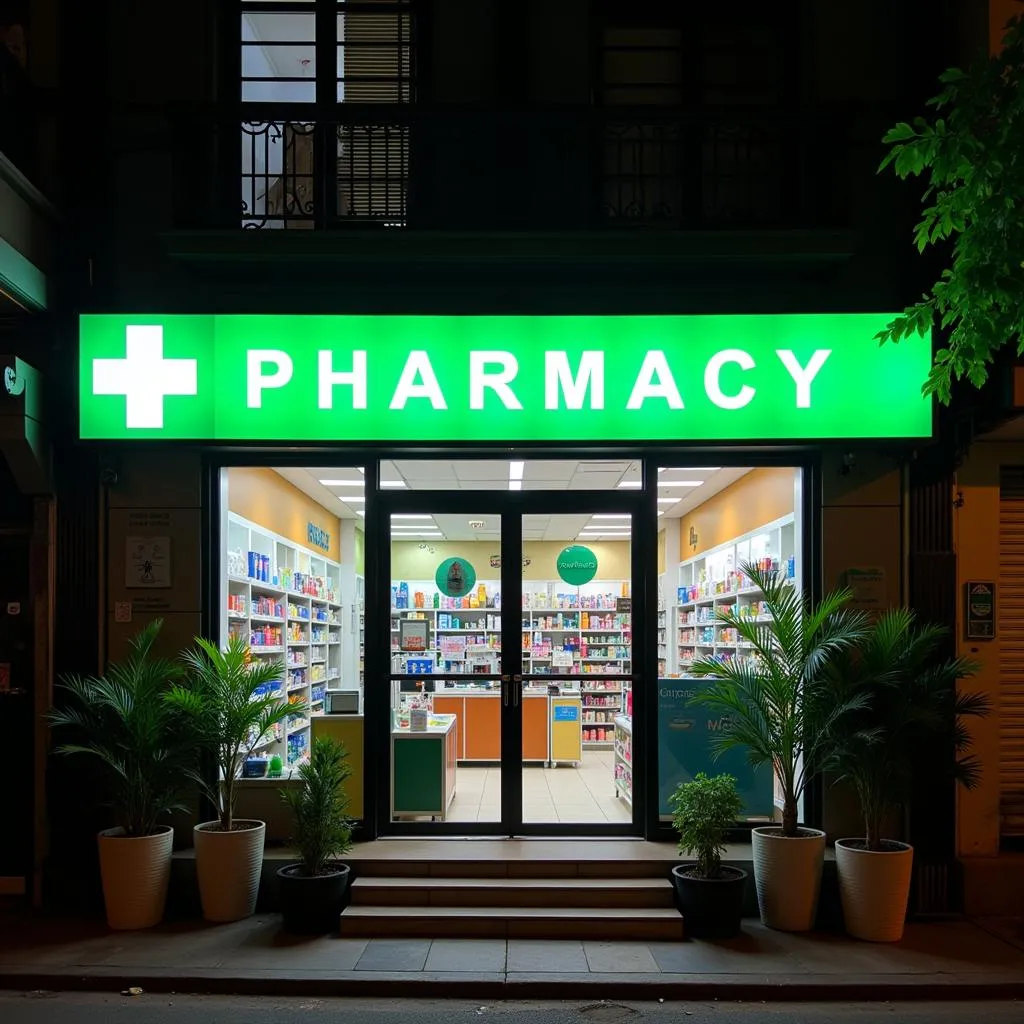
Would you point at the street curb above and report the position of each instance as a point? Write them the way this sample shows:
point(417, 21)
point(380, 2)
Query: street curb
point(702, 988)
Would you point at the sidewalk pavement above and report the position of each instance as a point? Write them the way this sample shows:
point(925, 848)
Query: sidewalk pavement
point(949, 960)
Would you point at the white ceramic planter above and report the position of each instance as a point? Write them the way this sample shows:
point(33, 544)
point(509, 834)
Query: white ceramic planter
point(874, 886)
point(135, 872)
point(787, 875)
point(228, 865)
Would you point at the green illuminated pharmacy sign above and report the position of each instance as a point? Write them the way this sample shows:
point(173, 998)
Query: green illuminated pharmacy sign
point(499, 378)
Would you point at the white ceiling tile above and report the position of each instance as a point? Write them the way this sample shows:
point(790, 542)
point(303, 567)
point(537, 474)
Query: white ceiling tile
point(594, 481)
point(552, 470)
point(484, 469)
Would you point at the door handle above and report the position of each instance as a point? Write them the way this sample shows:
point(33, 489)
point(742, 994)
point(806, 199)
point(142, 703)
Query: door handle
point(517, 689)
point(504, 690)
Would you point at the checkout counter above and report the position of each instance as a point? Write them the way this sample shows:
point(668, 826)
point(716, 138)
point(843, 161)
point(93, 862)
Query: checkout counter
point(552, 723)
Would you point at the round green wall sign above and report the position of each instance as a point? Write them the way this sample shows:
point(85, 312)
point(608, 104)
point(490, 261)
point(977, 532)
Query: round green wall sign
point(576, 565)
point(455, 577)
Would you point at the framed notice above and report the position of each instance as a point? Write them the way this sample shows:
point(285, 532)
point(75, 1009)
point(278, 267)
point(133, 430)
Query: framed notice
point(147, 562)
point(980, 609)
point(414, 634)
point(624, 605)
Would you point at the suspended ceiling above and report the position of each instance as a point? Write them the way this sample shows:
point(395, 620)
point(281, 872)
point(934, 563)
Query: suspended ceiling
point(343, 490)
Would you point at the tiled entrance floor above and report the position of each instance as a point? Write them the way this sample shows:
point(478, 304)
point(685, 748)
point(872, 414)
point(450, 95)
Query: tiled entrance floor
point(257, 949)
point(584, 795)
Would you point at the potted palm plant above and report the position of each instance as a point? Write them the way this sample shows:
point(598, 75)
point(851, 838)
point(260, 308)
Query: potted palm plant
point(143, 745)
point(776, 709)
point(907, 695)
point(313, 891)
point(224, 693)
point(710, 893)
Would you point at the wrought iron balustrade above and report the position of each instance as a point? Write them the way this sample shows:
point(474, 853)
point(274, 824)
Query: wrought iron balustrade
point(437, 169)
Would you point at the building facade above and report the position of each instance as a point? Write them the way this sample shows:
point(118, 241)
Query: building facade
point(463, 159)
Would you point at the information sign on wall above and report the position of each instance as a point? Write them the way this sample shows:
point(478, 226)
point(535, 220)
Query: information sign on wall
point(455, 577)
point(980, 609)
point(576, 565)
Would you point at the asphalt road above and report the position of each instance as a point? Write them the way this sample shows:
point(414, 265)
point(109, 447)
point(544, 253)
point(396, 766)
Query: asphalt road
point(71, 1008)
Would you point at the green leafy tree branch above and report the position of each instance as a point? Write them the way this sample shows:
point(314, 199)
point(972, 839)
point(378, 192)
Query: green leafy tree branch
point(971, 156)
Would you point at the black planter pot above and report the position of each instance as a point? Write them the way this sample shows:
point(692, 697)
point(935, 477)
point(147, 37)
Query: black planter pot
point(312, 905)
point(712, 908)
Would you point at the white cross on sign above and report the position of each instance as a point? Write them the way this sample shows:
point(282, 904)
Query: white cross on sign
point(144, 377)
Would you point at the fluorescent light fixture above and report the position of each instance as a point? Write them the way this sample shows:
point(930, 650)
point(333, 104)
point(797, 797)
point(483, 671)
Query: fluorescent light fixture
point(360, 512)
point(407, 515)
point(690, 469)
point(632, 484)
point(420, 533)
point(661, 513)
point(680, 483)
point(669, 501)
point(357, 498)
point(611, 515)
point(361, 470)
point(515, 485)
point(605, 530)
point(342, 483)
point(392, 483)
point(515, 470)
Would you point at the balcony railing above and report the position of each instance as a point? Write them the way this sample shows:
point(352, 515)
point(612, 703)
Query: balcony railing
point(480, 170)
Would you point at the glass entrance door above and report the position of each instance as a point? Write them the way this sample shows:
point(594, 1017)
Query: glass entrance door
point(512, 676)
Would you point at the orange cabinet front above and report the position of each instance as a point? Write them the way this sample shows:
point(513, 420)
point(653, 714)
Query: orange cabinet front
point(483, 729)
point(535, 728)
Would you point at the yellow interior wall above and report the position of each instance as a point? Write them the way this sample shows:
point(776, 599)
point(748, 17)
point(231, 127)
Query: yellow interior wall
point(360, 556)
point(661, 551)
point(410, 562)
point(264, 497)
point(760, 497)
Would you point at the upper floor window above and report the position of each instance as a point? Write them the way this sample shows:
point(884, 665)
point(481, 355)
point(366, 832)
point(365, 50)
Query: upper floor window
point(372, 40)
point(332, 165)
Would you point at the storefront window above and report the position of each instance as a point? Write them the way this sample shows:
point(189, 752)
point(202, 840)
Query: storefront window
point(713, 520)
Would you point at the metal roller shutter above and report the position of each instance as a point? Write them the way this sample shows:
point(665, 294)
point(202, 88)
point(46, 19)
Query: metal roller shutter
point(1010, 596)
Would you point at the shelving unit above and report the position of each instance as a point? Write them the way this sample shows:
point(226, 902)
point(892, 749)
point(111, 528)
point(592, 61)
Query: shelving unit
point(283, 599)
point(580, 624)
point(713, 582)
point(624, 758)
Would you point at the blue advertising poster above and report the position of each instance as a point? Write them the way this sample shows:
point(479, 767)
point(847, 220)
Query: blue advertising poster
point(566, 713)
point(684, 750)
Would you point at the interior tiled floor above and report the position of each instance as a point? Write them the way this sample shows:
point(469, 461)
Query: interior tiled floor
point(584, 795)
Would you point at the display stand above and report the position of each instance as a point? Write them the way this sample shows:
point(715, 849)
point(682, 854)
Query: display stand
point(565, 728)
point(423, 769)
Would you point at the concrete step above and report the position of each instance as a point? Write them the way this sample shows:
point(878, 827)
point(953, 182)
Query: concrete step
point(469, 866)
point(506, 892)
point(649, 923)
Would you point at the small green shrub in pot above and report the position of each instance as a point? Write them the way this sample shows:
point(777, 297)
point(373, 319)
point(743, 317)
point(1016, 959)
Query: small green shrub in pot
point(313, 891)
point(710, 894)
